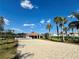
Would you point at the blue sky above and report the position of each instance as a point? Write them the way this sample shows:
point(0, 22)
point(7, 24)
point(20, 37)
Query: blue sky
point(33, 15)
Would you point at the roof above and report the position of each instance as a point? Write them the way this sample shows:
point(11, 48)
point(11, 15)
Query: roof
point(33, 34)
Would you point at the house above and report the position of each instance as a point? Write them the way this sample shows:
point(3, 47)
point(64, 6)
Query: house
point(35, 35)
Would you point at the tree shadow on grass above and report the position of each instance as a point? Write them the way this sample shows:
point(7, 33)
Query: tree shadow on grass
point(24, 56)
point(9, 50)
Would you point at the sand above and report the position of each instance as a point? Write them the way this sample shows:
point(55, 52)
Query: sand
point(44, 49)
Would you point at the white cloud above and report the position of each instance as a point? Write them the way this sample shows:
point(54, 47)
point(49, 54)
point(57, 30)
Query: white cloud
point(27, 4)
point(42, 21)
point(17, 30)
point(29, 25)
point(48, 21)
point(71, 16)
point(6, 21)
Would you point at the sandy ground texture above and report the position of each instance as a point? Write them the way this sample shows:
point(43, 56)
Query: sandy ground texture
point(44, 49)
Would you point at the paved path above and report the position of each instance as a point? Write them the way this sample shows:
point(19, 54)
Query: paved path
point(43, 49)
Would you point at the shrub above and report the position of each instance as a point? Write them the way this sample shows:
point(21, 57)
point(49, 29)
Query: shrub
point(67, 39)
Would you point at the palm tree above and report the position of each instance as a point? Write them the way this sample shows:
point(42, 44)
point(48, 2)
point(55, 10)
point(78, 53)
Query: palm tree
point(63, 20)
point(72, 26)
point(77, 25)
point(49, 28)
point(77, 28)
point(76, 14)
point(1, 28)
point(57, 21)
point(1, 23)
point(65, 29)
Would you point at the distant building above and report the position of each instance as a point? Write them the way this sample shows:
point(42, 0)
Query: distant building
point(54, 35)
point(35, 35)
point(75, 34)
point(32, 35)
point(20, 35)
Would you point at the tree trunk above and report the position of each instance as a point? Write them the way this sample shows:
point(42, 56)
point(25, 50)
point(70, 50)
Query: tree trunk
point(66, 33)
point(63, 34)
point(78, 32)
point(57, 30)
point(72, 31)
point(49, 33)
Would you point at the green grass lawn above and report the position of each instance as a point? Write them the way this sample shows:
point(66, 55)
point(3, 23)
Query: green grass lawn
point(7, 49)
